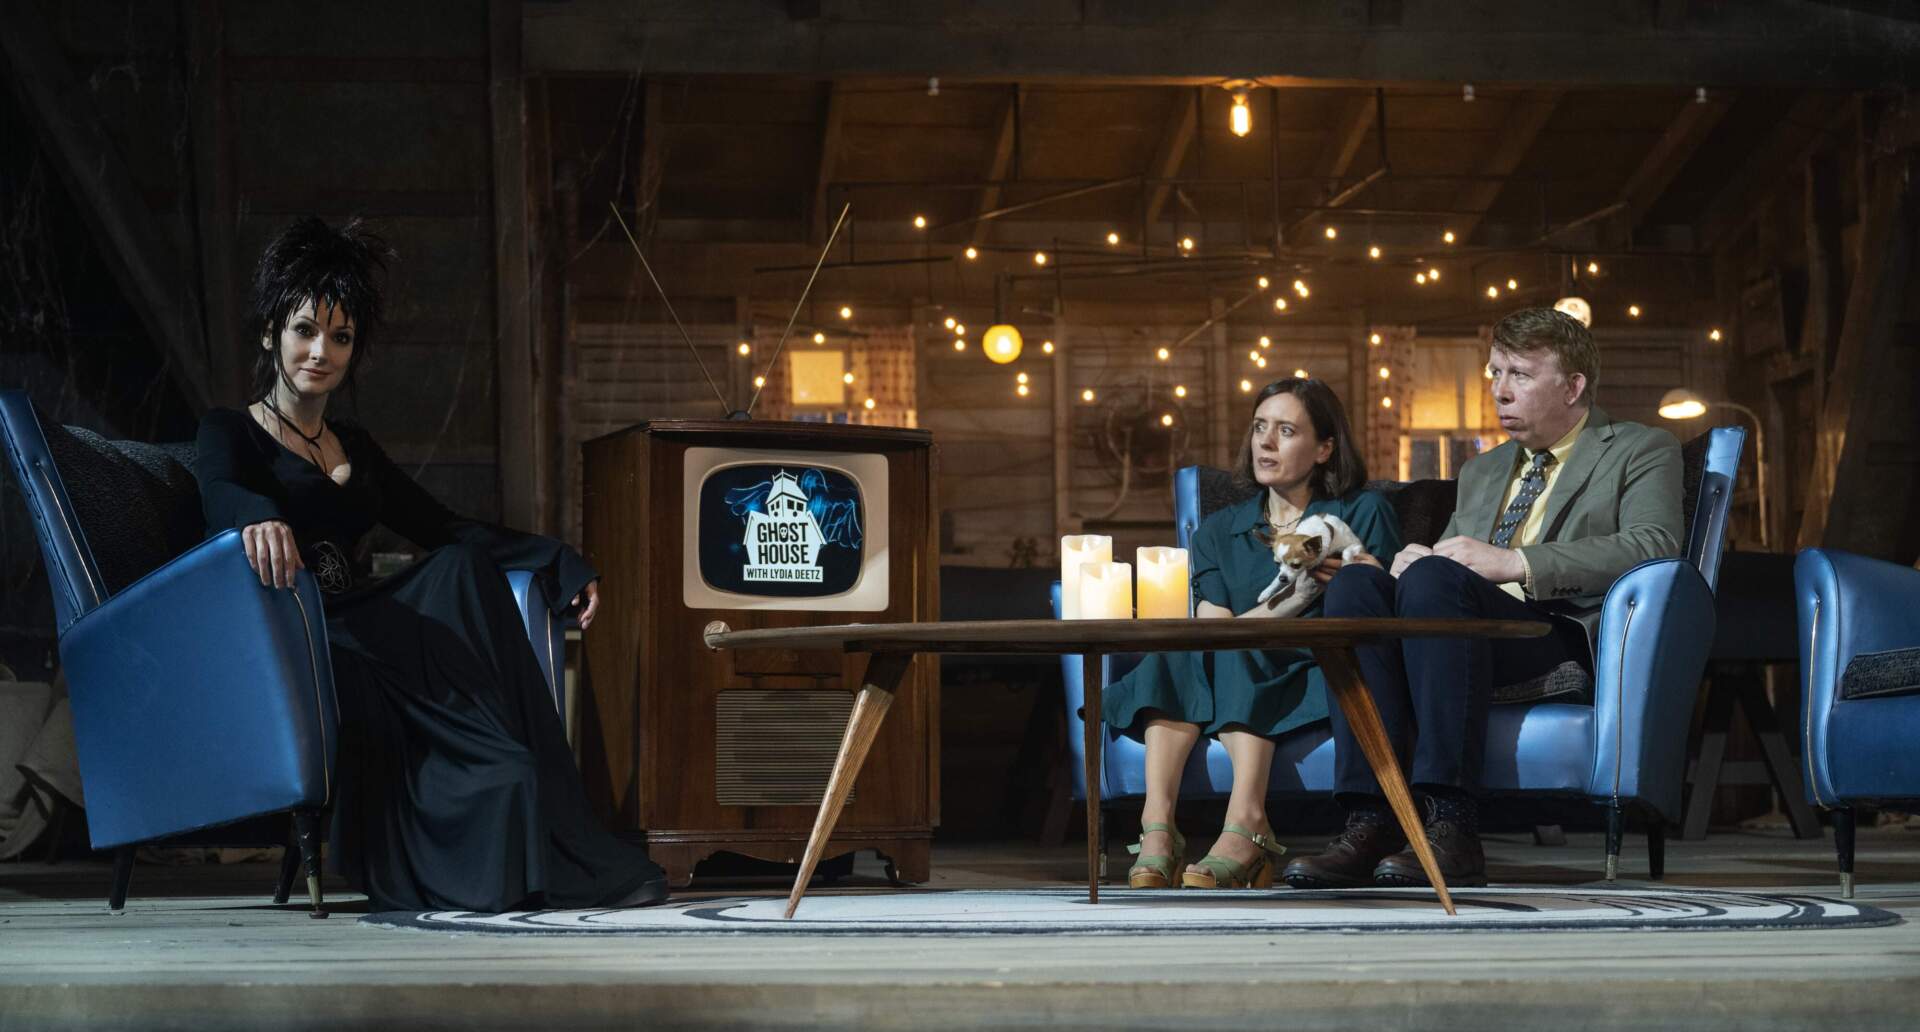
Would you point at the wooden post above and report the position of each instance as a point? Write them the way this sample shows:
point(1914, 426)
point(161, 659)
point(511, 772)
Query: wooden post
point(521, 485)
point(1064, 398)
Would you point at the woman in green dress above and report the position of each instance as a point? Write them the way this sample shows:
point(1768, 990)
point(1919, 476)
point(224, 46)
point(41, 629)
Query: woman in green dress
point(1298, 447)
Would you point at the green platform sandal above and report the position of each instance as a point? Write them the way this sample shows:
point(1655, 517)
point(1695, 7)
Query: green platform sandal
point(1223, 873)
point(1154, 871)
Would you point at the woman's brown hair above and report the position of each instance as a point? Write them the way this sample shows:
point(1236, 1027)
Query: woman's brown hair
point(1345, 471)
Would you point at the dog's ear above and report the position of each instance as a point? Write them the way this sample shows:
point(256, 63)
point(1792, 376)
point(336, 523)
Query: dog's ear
point(1311, 546)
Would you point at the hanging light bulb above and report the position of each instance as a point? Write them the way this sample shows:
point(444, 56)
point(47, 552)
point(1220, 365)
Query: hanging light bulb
point(1374, 340)
point(1246, 386)
point(759, 381)
point(1279, 304)
point(1374, 252)
point(846, 378)
point(1386, 402)
point(1113, 239)
point(1300, 374)
point(1039, 257)
point(960, 328)
point(1513, 284)
point(1493, 291)
point(1420, 278)
point(1186, 243)
point(972, 253)
point(1001, 343)
point(819, 338)
point(950, 322)
point(1300, 287)
point(919, 222)
point(1021, 389)
point(1180, 390)
point(1593, 268)
point(1714, 335)
point(1253, 356)
point(1046, 347)
point(1266, 342)
point(745, 348)
point(1633, 311)
point(1241, 118)
point(959, 344)
point(1166, 419)
point(868, 404)
point(1260, 361)
point(1086, 395)
point(1263, 282)
point(846, 311)
point(1163, 354)
point(1448, 236)
point(1333, 233)
point(1020, 378)
point(1385, 373)
point(1434, 275)
point(1577, 308)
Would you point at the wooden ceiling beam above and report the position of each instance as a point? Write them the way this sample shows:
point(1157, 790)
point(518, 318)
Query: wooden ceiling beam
point(1748, 44)
point(832, 117)
point(158, 281)
point(999, 166)
point(1357, 116)
point(1527, 118)
point(1176, 140)
point(1676, 146)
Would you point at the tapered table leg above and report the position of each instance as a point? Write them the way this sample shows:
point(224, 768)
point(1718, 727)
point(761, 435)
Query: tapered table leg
point(1343, 678)
point(884, 671)
point(1091, 674)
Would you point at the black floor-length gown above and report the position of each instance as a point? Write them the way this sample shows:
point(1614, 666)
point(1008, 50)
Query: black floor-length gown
point(455, 788)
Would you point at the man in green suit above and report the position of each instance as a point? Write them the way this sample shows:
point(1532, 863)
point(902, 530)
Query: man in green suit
point(1543, 526)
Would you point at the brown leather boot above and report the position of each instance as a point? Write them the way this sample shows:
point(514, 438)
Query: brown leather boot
point(1349, 860)
point(1456, 851)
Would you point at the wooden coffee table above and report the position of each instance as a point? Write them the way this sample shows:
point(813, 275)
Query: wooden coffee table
point(893, 646)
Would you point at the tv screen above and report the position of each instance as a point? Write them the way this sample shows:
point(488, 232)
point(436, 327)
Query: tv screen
point(771, 529)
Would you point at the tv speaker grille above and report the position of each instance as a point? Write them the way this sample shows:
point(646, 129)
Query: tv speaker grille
point(776, 748)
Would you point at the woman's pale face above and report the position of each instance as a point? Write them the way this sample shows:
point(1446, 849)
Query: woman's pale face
point(1284, 448)
point(316, 346)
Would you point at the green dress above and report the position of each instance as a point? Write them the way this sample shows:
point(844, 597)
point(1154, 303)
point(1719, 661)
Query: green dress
point(1269, 691)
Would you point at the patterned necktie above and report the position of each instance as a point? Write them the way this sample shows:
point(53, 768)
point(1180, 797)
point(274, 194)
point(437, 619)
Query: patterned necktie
point(1531, 484)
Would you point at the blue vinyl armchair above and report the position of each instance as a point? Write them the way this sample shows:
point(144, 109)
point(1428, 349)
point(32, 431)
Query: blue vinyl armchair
point(1624, 750)
point(200, 698)
point(1860, 656)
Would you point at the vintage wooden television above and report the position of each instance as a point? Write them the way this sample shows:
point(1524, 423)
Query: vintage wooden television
point(758, 524)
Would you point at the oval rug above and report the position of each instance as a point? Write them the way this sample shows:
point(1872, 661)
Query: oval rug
point(1057, 911)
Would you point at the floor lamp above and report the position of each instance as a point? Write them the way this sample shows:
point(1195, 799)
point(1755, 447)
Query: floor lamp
point(1681, 403)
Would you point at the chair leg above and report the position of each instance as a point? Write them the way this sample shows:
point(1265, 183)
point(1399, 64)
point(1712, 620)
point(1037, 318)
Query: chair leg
point(1656, 847)
point(289, 863)
point(122, 878)
point(1616, 825)
point(306, 832)
point(1843, 846)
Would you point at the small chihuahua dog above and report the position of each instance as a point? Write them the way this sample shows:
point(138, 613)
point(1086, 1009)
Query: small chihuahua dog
point(1298, 553)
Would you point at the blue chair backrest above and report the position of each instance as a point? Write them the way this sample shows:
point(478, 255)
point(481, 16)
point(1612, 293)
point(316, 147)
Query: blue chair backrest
point(74, 576)
point(1707, 530)
point(1706, 527)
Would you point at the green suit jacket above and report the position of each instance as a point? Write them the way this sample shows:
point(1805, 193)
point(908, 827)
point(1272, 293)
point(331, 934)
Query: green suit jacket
point(1615, 505)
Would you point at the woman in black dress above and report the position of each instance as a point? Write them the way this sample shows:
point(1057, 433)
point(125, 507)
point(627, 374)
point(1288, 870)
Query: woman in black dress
point(455, 788)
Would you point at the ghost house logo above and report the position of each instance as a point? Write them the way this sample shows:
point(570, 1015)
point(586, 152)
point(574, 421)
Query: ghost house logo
point(780, 531)
point(783, 543)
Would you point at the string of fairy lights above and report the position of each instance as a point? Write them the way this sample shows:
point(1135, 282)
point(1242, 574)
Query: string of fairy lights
point(1002, 343)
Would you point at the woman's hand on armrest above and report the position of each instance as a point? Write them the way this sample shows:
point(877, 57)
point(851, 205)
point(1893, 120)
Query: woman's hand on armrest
point(272, 553)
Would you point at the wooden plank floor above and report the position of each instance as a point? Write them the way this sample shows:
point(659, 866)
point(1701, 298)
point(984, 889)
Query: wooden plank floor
point(199, 947)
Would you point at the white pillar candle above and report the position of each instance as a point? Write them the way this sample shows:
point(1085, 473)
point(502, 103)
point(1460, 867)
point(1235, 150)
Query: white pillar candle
point(1106, 591)
point(1163, 582)
point(1076, 550)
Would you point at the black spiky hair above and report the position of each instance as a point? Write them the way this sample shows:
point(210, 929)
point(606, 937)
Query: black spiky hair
point(312, 261)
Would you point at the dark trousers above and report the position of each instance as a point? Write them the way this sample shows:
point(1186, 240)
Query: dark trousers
point(1432, 693)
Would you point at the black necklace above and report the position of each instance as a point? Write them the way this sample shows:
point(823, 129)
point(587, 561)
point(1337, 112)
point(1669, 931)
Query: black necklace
point(313, 442)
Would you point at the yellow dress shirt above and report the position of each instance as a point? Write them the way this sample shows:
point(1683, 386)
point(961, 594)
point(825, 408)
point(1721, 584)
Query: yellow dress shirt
point(1529, 532)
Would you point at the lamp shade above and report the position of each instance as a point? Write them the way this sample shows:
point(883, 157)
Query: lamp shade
point(1681, 403)
point(1576, 307)
point(1001, 343)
